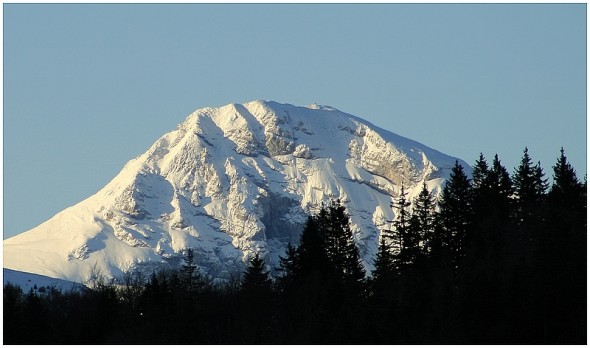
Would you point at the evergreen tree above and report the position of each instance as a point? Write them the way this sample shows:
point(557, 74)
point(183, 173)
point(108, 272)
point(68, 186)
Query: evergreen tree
point(255, 314)
point(481, 192)
point(488, 252)
point(415, 286)
point(480, 173)
point(566, 190)
point(541, 184)
point(389, 246)
point(189, 274)
point(383, 293)
point(348, 294)
point(409, 248)
point(491, 190)
point(523, 178)
point(307, 285)
point(384, 274)
point(567, 199)
point(341, 247)
point(528, 208)
point(521, 254)
point(529, 191)
point(564, 256)
point(311, 255)
point(456, 214)
point(256, 278)
point(385, 269)
point(501, 185)
point(288, 267)
point(424, 213)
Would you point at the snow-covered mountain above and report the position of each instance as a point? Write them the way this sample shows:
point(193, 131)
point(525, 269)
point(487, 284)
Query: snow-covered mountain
point(39, 284)
point(230, 182)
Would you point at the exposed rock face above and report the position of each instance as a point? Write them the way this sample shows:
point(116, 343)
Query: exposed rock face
point(230, 182)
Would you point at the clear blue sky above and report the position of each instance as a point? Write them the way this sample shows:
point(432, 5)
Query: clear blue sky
point(89, 87)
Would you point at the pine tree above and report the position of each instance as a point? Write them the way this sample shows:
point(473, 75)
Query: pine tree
point(401, 207)
point(307, 284)
point(456, 214)
point(501, 184)
point(488, 253)
point(491, 196)
point(288, 266)
point(256, 278)
point(523, 178)
point(311, 255)
point(189, 274)
point(541, 184)
point(389, 246)
point(405, 226)
point(424, 212)
point(567, 199)
point(383, 293)
point(414, 289)
point(480, 173)
point(385, 268)
point(255, 308)
point(320, 276)
point(566, 189)
point(529, 191)
point(529, 211)
point(341, 247)
point(481, 188)
point(563, 280)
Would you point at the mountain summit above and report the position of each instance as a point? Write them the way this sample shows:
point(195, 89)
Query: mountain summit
point(230, 182)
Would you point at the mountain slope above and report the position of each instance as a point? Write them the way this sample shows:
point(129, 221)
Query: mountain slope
point(27, 281)
point(230, 182)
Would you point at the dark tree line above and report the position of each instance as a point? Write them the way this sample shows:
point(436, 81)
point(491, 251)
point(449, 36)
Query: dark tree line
point(502, 260)
point(496, 259)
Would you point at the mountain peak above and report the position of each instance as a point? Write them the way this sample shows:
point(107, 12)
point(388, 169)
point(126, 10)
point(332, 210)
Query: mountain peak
point(315, 106)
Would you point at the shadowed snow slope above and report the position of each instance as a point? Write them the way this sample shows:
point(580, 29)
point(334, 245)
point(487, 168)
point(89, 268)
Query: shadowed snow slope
point(230, 182)
point(38, 283)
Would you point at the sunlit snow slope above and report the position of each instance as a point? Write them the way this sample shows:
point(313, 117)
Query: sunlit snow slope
point(230, 182)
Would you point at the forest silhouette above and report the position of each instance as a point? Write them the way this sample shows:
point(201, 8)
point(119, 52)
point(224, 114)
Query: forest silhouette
point(495, 259)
